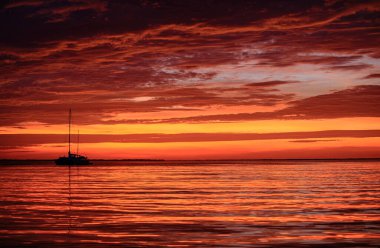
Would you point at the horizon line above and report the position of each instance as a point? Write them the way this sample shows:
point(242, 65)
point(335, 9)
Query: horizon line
point(227, 159)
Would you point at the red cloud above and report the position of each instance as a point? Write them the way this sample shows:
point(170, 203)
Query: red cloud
point(21, 140)
point(374, 75)
point(360, 101)
point(269, 83)
point(100, 54)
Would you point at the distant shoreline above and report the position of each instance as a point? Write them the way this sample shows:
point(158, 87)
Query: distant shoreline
point(231, 159)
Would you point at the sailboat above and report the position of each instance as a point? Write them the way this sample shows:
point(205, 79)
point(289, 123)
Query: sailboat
point(72, 158)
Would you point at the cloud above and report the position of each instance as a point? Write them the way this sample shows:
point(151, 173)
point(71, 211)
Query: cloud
point(312, 140)
point(58, 11)
point(17, 4)
point(350, 67)
point(21, 140)
point(374, 75)
point(45, 101)
point(359, 101)
point(95, 55)
point(269, 83)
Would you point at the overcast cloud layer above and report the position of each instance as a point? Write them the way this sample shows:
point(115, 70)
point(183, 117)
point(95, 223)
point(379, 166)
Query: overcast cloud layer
point(103, 58)
point(186, 62)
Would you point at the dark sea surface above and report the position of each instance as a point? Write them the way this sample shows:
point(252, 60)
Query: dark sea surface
point(191, 204)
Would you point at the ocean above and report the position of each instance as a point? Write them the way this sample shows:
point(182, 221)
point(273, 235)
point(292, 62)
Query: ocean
point(289, 203)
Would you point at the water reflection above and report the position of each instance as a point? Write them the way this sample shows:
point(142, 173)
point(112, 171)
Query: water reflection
point(219, 205)
point(69, 227)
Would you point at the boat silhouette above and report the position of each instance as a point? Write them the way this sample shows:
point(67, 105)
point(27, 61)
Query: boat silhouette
point(72, 158)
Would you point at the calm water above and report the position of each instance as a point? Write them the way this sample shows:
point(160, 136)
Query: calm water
point(162, 204)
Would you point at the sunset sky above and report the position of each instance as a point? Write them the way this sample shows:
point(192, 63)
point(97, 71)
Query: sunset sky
point(190, 79)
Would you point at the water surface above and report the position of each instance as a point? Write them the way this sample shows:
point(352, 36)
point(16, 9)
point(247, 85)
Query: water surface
point(191, 204)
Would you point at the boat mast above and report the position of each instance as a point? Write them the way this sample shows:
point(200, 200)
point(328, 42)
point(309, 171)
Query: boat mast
point(78, 143)
point(69, 132)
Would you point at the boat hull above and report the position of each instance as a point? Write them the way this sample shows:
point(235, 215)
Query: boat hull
point(72, 161)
